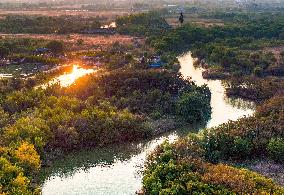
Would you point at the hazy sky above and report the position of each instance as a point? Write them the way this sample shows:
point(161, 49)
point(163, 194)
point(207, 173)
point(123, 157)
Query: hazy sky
point(101, 1)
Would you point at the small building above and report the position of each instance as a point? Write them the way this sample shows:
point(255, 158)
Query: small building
point(156, 65)
point(156, 62)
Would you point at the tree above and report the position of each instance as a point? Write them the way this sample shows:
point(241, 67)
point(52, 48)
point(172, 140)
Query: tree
point(30, 129)
point(192, 106)
point(55, 46)
point(28, 158)
point(4, 51)
point(80, 42)
point(4, 119)
point(276, 149)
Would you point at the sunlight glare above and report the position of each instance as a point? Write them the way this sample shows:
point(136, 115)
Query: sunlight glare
point(68, 79)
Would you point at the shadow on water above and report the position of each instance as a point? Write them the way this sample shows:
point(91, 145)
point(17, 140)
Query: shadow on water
point(105, 157)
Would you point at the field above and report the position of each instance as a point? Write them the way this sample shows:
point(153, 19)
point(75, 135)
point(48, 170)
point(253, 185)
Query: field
point(89, 41)
point(173, 21)
point(71, 12)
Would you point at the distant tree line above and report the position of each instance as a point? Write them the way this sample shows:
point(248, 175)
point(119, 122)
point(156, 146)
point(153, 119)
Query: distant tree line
point(142, 24)
point(47, 24)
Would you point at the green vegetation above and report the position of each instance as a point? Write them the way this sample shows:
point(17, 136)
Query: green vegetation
point(186, 107)
point(144, 92)
point(55, 46)
point(255, 88)
point(246, 51)
point(47, 24)
point(17, 166)
point(142, 24)
point(248, 137)
point(228, 46)
point(276, 149)
point(99, 109)
point(120, 102)
point(19, 56)
point(195, 164)
point(181, 168)
point(12, 46)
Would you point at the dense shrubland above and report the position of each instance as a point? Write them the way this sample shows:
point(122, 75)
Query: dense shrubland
point(197, 163)
point(99, 109)
point(257, 136)
point(118, 105)
point(228, 46)
point(182, 168)
point(12, 46)
point(112, 95)
point(142, 24)
point(255, 88)
point(246, 48)
point(18, 164)
point(47, 24)
point(245, 51)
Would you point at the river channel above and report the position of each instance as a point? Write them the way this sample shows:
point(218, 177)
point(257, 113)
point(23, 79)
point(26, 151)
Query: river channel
point(117, 169)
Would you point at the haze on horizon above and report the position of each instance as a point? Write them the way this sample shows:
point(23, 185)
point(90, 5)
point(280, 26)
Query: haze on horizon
point(133, 1)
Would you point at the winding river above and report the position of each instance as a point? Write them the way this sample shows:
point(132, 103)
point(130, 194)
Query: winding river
point(117, 169)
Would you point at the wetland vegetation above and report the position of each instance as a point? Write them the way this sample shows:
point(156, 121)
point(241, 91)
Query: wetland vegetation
point(141, 86)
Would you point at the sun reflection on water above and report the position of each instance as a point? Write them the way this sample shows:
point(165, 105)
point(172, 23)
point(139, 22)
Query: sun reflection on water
point(68, 79)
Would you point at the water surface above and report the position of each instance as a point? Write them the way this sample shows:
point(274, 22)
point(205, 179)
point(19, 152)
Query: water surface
point(117, 169)
point(67, 79)
point(223, 108)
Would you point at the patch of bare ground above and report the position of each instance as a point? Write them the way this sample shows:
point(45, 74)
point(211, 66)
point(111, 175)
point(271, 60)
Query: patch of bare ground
point(269, 169)
point(62, 12)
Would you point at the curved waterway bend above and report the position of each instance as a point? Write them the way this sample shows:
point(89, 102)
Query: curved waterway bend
point(117, 169)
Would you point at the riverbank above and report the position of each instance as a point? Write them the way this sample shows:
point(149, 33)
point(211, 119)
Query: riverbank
point(140, 95)
point(134, 161)
point(265, 167)
point(251, 63)
point(231, 150)
point(96, 110)
point(160, 128)
point(225, 112)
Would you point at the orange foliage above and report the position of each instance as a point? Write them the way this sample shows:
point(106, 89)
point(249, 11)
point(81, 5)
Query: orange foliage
point(241, 181)
point(28, 157)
